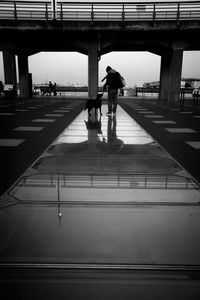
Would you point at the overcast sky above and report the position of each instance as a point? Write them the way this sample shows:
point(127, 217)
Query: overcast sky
point(71, 67)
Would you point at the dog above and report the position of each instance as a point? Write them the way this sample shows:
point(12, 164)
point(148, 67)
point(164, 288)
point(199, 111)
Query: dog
point(96, 104)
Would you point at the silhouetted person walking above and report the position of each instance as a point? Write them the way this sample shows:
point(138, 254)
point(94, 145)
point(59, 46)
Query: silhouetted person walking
point(50, 88)
point(113, 82)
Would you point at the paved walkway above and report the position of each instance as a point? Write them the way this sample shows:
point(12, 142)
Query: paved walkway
point(27, 131)
point(176, 131)
point(141, 225)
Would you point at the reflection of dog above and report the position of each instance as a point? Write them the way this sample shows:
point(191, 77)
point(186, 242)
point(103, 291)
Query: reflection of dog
point(96, 104)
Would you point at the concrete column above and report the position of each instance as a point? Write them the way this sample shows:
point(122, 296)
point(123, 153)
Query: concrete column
point(9, 67)
point(164, 79)
point(175, 75)
point(170, 76)
point(93, 70)
point(23, 76)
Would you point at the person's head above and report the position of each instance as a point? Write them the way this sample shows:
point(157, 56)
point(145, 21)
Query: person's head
point(108, 69)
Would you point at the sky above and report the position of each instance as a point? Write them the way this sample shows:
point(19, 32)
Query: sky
point(72, 67)
point(69, 68)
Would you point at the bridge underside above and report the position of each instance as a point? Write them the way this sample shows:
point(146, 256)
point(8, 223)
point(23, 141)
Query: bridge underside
point(167, 39)
point(37, 36)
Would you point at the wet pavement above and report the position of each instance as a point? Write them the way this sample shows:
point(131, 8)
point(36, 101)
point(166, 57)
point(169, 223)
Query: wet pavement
point(103, 195)
point(108, 160)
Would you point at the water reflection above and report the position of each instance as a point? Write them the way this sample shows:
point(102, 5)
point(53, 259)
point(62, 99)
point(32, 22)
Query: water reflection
point(104, 129)
point(103, 159)
point(104, 194)
point(112, 139)
point(93, 126)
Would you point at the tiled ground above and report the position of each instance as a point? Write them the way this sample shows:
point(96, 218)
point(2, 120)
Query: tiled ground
point(181, 139)
point(27, 131)
point(99, 195)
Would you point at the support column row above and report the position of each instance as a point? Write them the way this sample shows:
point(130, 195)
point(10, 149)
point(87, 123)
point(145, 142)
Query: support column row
point(11, 77)
point(10, 73)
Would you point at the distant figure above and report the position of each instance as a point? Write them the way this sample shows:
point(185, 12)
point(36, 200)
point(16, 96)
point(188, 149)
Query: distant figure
point(113, 82)
point(54, 89)
point(1, 87)
point(196, 90)
point(121, 93)
point(50, 88)
point(195, 94)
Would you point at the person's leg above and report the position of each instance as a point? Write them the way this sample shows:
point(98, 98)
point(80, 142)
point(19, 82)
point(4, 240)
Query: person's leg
point(109, 101)
point(115, 100)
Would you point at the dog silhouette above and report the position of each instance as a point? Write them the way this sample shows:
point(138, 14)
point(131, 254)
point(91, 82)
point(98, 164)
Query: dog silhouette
point(96, 104)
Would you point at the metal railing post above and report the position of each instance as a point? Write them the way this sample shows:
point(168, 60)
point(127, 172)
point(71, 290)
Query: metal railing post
point(54, 9)
point(154, 13)
point(92, 13)
point(178, 14)
point(58, 187)
point(46, 12)
point(123, 13)
point(15, 11)
point(61, 11)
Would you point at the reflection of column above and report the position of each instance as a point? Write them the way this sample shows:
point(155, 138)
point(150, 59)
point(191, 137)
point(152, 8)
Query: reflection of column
point(92, 126)
point(93, 70)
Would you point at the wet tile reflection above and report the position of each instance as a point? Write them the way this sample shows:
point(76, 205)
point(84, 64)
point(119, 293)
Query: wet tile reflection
point(104, 193)
point(114, 153)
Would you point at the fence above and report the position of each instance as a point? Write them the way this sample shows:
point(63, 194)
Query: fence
point(94, 12)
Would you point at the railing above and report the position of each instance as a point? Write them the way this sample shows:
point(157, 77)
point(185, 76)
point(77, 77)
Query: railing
point(100, 180)
point(63, 88)
point(23, 10)
point(108, 11)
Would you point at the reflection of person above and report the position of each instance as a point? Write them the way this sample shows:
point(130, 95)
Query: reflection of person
point(112, 133)
point(112, 82)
